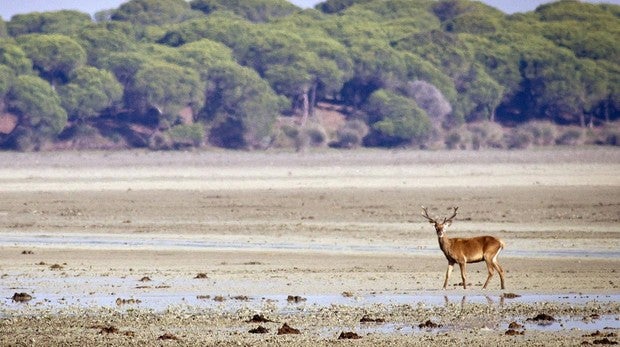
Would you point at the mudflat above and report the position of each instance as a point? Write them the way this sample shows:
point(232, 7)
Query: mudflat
point(220, 248)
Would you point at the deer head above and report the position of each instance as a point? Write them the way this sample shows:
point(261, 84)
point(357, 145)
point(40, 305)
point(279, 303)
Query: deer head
point(439, 226)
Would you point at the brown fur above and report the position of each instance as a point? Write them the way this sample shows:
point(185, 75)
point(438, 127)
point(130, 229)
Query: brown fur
point(468, 250)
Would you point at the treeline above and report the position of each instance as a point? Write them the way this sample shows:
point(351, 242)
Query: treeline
point(253, 74)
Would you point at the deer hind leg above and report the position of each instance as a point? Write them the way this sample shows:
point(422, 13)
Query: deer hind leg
point(500, 271)
point(490, 267)
point(448, 272)
point(462, 267)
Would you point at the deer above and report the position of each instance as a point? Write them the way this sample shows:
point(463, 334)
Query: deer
point(467, 250)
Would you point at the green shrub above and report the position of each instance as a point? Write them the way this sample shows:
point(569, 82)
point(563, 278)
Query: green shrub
point(606, 135)
point(611, 136)
point(543, 133)
point(518, 138)
point(160, 141)
point(184, 135)
point(486, 134)
point(316, 135)
point(571, 136)
point(460, 138)
point(351, 134)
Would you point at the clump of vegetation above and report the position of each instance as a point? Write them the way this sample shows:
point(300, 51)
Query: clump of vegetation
point(351, 135)
point(486, 135)
point(459, 138)
point(187, 135)
point(571, 136)
point(608, 135)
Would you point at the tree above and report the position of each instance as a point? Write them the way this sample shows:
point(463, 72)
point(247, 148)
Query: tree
point(419, 69)
point(166, 87)
point(240, 107)
point(203, 54)
point(14, 57)
point(376, 65)
point(124, 66)
point(100, 41)
point(334, 6)
point(6, 81)
point(153, 12)
point(252, 10)
point(585, 39)
point(302, 67)
point(89, 92)
point(431, 100)
point(395, 120)
point(53, 56)
point(3, 29)
point(478, 94)
point(64, 22)
point(468, 16)
point(38, 106)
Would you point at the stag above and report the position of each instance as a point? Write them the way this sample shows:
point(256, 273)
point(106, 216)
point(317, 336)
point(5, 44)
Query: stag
point(467, 250)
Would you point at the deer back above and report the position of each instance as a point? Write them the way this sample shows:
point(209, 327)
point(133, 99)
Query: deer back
point(471, 249)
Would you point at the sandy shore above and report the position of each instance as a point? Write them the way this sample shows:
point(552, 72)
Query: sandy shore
point(141, 248)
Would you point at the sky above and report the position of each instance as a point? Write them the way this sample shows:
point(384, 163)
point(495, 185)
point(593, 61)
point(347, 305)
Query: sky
point(8, 8)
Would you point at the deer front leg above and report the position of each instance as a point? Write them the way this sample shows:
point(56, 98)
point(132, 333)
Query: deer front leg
point(448, 272)
point(462, 267)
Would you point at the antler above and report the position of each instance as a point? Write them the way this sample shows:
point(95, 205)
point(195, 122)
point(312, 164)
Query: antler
point(425, 215)
point(449, 219)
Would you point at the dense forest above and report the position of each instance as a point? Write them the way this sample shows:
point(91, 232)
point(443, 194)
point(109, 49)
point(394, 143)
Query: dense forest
point(257, 74)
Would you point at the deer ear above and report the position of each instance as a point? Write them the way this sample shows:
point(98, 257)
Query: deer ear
point(448, 223)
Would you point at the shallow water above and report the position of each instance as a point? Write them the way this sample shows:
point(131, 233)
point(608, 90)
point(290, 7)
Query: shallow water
point(163, 301)
point(55, 304)
point(163, 242)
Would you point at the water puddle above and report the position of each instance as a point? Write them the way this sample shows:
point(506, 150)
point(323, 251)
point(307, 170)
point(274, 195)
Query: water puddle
point(158, 302)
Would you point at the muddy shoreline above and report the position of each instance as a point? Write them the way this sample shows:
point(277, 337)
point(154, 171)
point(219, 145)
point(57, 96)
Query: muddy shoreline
point(186, 249)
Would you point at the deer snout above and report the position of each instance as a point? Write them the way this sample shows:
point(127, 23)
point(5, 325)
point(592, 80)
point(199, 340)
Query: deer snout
point(439, 229)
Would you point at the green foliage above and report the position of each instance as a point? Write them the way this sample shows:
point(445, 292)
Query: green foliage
point(395, 119)
point(38, 105)
point(540, 133)
point(89, 92)
point(6, 80)
point(153, 12)
point(124, 66)
point(60, 22)
point(573, 10)
point(188, 134)
point(585, 39)
point(3, 29)
point(468, 17)
point(165, 86)
point(242, 108)
point(205, 53)
point(486, 134)
point(54, 56)
point(14, 57)
point(334, 6)
point(252, 10)
point(571, 136)
point(100, 41)
point(351, 134)
point(416, 69)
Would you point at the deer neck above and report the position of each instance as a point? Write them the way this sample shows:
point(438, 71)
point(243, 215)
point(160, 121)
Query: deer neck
point(445, 244)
